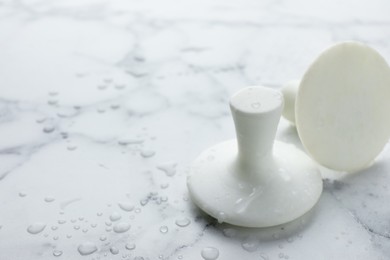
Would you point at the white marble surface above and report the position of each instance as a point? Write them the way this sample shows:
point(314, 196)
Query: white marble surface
point(98, 97)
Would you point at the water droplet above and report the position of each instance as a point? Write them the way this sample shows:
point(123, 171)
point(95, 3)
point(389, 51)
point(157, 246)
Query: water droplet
point(64, 135)
point(130, 141)
point(169, 168)
point(93, 225)
point(264, 257)
point(61, 221)
point(115, 216)
point(71, 147)
point(101, 110)
point(210, 253)
point(143, 202)
point(48, 129)
point(221, 217)
point(102, 238)
point(179, 257)
point(64, 113)
point(114, 250)
point(163, 229)
point(49, 199)
point(108, 223)
point(120, 86)
point(54, 228)
point(101, 87)
point(250, 244)
point(85, 230)
point(242, 204)
point(68, 236)
point(121, 227)
point(40, 120)
point(57, 253)
point(229, 232)
point(108, 229)
point(256, 105)
point(55, 238)
point(183, 222)
point(130, 246)
point(76, 227)
point(81, 218)
point(164, 185)
point(52, 102)
point(99, 214)
point(73, 220)
point(53, 93)
point(115, 106)
point(137, 210)
point(147, 153)
point(87, 248)
point(36, 228)
point(22, 194)
point(126, 206)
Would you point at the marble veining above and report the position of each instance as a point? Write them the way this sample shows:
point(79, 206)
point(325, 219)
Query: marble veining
point(104, 104)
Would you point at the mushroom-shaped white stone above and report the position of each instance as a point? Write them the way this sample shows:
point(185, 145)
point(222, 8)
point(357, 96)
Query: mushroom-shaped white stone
point(254, 181)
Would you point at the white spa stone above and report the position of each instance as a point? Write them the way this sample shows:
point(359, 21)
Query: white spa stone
point(254, 181)
point(289, 92)
point(342, 107)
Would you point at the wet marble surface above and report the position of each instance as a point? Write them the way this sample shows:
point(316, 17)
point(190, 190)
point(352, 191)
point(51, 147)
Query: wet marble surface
point(104, 104)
